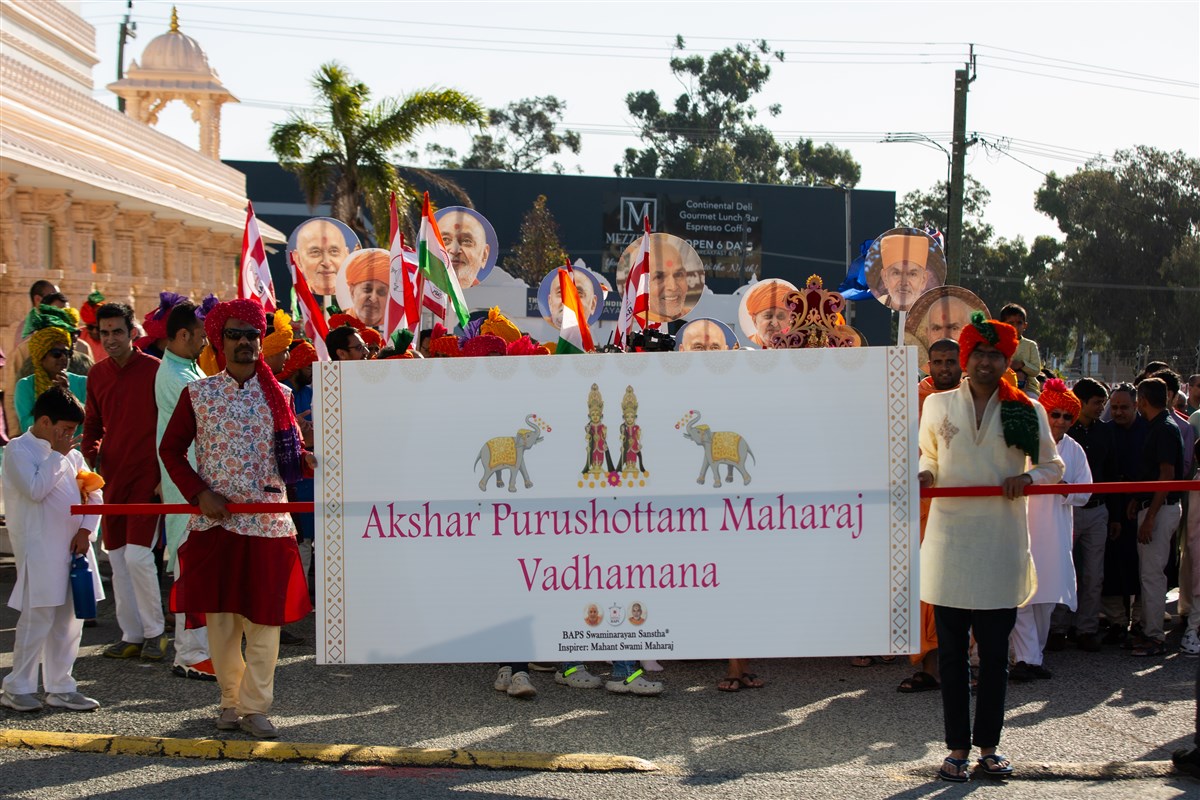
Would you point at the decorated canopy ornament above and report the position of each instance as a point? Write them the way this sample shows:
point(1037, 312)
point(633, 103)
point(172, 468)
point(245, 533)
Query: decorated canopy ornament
point(816, 319)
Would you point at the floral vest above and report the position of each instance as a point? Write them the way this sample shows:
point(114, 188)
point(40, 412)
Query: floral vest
point(235, 453)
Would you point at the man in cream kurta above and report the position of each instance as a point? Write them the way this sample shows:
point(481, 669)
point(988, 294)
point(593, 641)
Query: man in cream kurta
point(975, 562)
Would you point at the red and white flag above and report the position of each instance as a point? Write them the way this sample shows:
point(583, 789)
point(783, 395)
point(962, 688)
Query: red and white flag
point(635, 298)
point(255, 283)
point(403, 309)
point(310, 309)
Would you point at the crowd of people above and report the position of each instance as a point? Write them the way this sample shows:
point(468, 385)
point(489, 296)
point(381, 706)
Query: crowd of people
point(211, 404)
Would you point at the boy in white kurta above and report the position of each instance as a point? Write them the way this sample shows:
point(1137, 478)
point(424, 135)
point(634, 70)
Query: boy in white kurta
point(975, 564)
point(41, 483)
point(1051, 537)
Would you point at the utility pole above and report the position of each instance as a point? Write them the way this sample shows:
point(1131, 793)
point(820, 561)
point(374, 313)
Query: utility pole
point(128, 30)
point(963, 78)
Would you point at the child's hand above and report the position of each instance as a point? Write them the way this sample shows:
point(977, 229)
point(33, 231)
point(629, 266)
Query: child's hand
point(81, 543)
point(64, 442)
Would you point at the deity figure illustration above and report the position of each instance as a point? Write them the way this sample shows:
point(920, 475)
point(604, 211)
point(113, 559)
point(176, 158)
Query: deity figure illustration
point(631, 434)
point(599, 460)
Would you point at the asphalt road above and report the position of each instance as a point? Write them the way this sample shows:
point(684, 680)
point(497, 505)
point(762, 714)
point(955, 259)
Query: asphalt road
point(820, 728)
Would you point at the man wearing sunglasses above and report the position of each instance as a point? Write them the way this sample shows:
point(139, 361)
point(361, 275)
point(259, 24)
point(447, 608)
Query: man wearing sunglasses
point(50, 354)
point(242, 571)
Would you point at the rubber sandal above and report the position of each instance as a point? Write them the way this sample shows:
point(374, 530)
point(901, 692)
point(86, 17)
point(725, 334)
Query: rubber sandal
point(919, 682)
point(729, 685)
point(990, 766)
point(861, 661)
point(960, 774)
point(749, 680)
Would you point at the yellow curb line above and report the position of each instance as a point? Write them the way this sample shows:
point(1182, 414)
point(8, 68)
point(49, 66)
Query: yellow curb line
point(322, 753)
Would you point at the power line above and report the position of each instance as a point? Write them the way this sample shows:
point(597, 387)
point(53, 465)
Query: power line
point(1092, 83)
point(1107, 74)
point(1077, 63)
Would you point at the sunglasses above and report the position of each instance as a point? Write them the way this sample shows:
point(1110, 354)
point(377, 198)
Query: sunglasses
point(237, 334)
point(1061, 415)
point(58, 352)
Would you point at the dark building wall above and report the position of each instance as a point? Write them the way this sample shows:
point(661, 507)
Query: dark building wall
point(785, 232)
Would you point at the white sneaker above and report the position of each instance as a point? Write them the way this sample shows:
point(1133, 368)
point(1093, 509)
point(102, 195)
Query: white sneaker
point(577, 678)
point(520, 686)
point(20, 702)
point(636, 684)
point(1190, 646)
point(73, 701)
point(503, 679)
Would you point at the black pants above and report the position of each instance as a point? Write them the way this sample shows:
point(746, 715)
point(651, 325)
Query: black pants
point(991, 629)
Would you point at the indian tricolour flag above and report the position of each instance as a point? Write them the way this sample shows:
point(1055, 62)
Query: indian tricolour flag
point(574, 335)
point(435, 264)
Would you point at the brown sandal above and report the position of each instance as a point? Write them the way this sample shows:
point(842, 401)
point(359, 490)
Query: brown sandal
point(729, 684)
point(749, 680)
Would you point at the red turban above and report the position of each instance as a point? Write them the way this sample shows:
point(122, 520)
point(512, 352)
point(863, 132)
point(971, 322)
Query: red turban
point(485, 344)
point(340, 320)
point(444, 347)
point(302, 355)
point(370, 336)
point(288, 451)
point(1056, 396)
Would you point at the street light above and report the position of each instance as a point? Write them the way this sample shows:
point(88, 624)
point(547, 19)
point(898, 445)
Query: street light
point(925, 141)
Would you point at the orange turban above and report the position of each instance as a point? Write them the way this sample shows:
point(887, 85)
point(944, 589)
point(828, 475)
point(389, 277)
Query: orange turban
point(338, 320)
point(499, 325)
point(281, 339)
point(371, 265)
point(370, 336)
point(903, 247)
point(767, 295)
point(444, 347)
point(1056, 396)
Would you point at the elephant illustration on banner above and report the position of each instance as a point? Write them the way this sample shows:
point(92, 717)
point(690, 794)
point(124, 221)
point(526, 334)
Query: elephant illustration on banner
point(720, 448)
point(508, 453)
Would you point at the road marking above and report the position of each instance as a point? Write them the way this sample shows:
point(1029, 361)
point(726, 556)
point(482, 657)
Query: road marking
point(241, 750)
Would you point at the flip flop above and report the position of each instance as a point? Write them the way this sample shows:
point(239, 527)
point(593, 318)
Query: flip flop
point(919, 682)
point(729, 685)
point(990, 765)
point(749, 680)
point(956, 776)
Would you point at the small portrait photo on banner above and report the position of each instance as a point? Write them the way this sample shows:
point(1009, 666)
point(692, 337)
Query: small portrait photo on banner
point(470, 241)
point(319, 246)
point(902, 265)
point(705, 334)
point(591, 295)
point(763, 313)
point(362, 285)
point(676, 278)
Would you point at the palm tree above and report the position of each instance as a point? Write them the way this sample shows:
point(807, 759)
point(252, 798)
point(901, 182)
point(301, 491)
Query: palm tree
point(342, 147)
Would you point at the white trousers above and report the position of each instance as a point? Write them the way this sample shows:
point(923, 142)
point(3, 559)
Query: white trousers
point(46, 637)
point(1028, 638)
point(191, 644)
point(136, 593)
point(1152, 561)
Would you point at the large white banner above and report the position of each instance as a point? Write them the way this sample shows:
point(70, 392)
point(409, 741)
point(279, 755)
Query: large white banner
point(744, 504)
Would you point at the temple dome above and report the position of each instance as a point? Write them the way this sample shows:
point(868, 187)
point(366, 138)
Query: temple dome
point(175, 51)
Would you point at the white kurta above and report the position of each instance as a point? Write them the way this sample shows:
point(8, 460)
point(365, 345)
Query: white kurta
point(1051, 530)
point(39, 489)
point(976, 549)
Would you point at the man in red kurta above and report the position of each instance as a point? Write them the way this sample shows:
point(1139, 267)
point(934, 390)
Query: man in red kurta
point(241, 570)
point(118, 442)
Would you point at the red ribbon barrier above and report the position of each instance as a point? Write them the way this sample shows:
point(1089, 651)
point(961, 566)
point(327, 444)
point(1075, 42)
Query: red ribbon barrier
point(136, 509)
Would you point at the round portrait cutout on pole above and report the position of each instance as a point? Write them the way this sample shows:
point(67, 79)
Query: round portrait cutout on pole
point(902, 265)
point(591, 296)
point(319, 246)
point(676, 277)
point(763, 313)
point(470, 241)
point(940, 313)
point(704, 335)
point(362, 285)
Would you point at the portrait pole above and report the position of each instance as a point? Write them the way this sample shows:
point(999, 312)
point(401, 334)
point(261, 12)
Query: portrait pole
point(900, 329)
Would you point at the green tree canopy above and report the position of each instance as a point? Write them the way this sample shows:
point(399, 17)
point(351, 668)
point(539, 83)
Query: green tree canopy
point(342, 150)
point(539, 249)
point(711, 131)
point(519, 138)
point(1131, 260)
